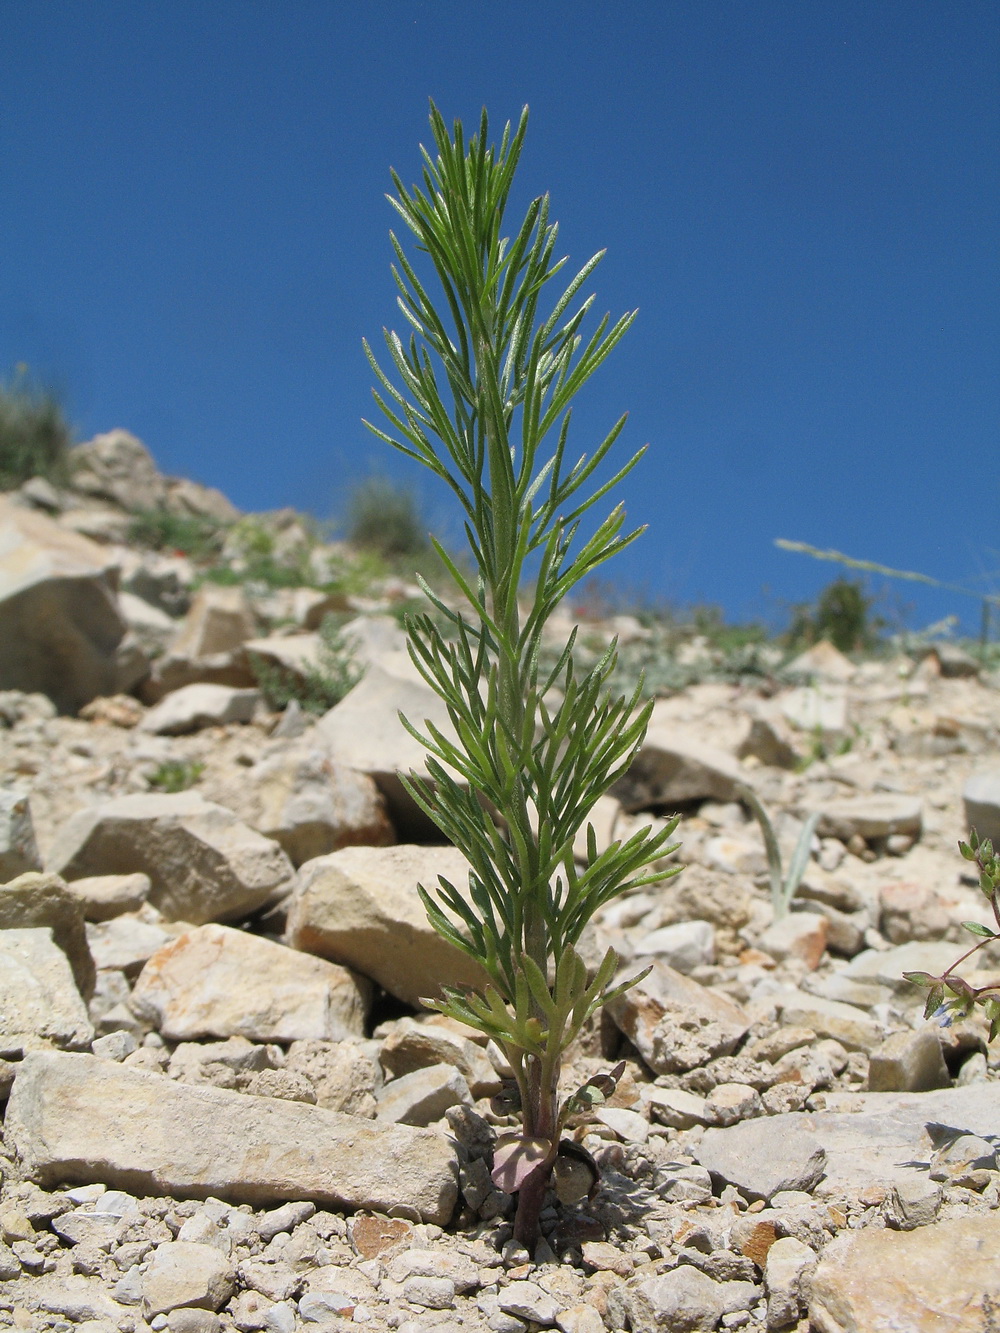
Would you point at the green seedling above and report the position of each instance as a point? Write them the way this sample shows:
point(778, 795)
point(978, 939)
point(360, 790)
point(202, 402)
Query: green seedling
point(783, 886)
point(485, 381)
point(950, 996)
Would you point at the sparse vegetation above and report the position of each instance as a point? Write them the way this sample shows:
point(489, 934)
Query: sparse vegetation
point(160, 530)
point(316, 689)
point(175, 775)
point(34, 433)
point(384, 516)
point(842, 613)
point(783, 885)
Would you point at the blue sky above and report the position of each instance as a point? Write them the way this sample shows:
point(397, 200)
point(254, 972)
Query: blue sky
point(801, 199)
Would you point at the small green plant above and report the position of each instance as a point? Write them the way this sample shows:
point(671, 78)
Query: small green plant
point(34, 433)
point(783, 886)
point(842, 614)
point(952, 996)
point(316, 689)
point(383, 516)
point(160, 530)
point(175, 775)
point(486, 380)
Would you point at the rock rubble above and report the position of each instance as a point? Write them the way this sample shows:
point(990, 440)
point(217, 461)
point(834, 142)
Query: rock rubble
point(225, 1106)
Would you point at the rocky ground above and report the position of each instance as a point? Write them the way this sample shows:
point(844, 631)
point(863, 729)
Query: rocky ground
point(225, 1106)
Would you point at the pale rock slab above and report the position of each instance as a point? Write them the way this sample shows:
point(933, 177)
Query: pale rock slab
point(46, 900)
point(194, 707)
point(219, 982)
point(344, 1074)
point(185, 496)
point(801, 935)
point(360, 907)
point(124, 943)
point(152, 628)
point(308, 803)
point(204, 864)
point(830, 1018)
point(364, 732)
point(107, 896)
point(908, 1061)
point(871, 1138)
point(938, 1279)
point(413, 1045)
point(822, 661)
point(18, 848)
point(761, 1160)
point(39, 1000)
point(675, 1023)
point(873, 816)
point(684, 946)
point(74, 1117)
point(422, 1097)
point(220, 620)
point(673, 766)
point(61, 633)
point(817, 709)
point(682, 1300)
point(117, 466)
point(789, 1261)
point(184, 1273)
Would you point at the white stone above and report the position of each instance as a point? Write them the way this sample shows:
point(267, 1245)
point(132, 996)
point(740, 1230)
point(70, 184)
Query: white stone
point(684, 946)
point(38, 996)
point(220, 982)
point(204, 863)
point(75, 1115)
point(194, 707)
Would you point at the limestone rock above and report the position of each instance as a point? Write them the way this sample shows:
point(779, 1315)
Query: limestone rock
point(422, 1097)
point(61, 632)
point(822, 661)
point(74, 1117)
point(673, 766)
point(38, 998)
point(789, 1261)
point(117, 466)
point(46, 900)
point(218, 982)
point(208, 646)
point(204, 863)
point(875, 816)
point(830, 1018)
point(908, 1061)
point(124, 943)
point(344, 1074)
point(308, 803)
point(817, 710)
point(412, 1045)
point(684, 946)
point(184, 1273)
point(106, 896)
point(870, 1139)
point(194, 707)
point(364, 732)
point(801, 935)
point(683, 1300)
point(18, 849)
point(220, 621)
point(760, 1161)
point(938, 1279)
point(675, 1023)
point(192, 497)
point(360, 907)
